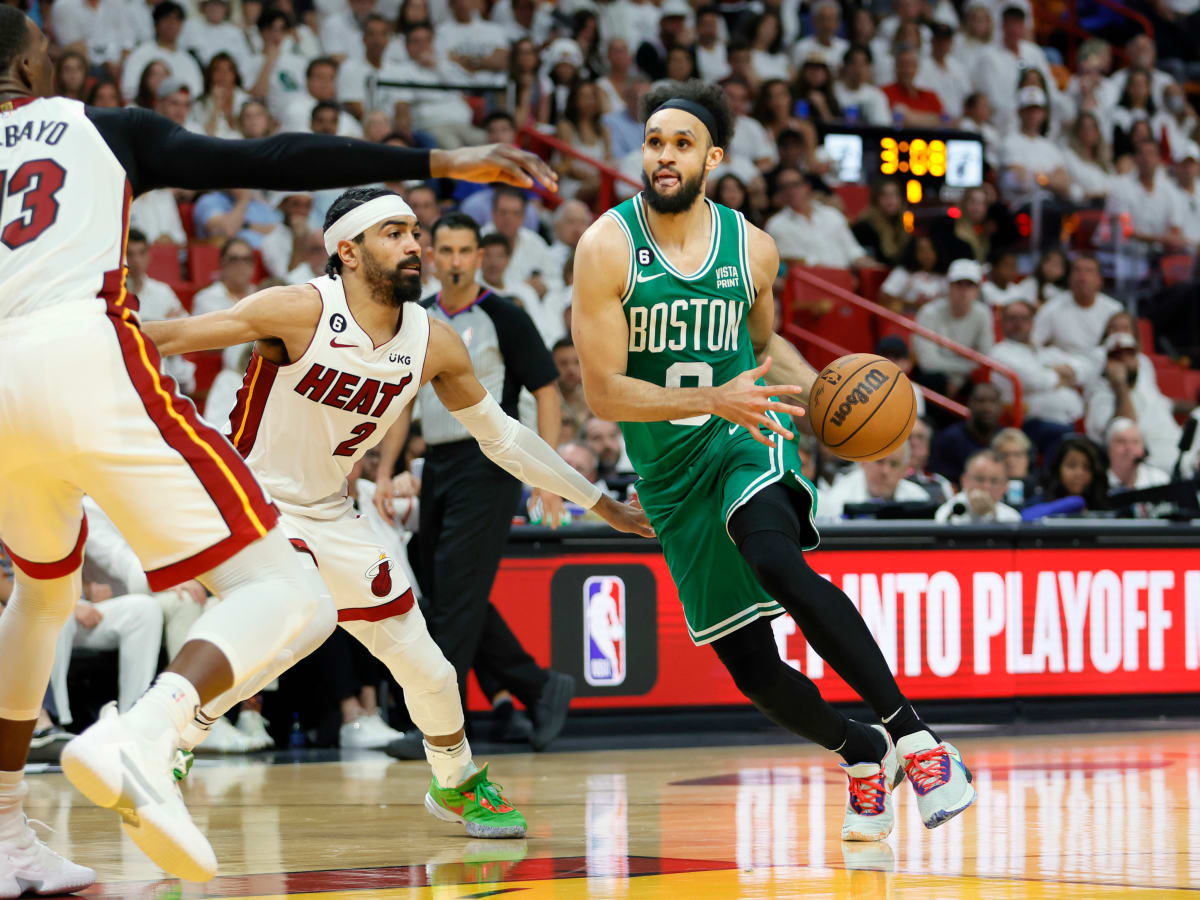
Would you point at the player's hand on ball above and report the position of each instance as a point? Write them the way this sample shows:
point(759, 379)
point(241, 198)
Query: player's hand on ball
point(627, 517)
point(746, 403)
point(492, 162)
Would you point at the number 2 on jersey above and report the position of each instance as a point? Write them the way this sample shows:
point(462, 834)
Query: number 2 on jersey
point(40, 179)
point(361, 433)
point(703, 374)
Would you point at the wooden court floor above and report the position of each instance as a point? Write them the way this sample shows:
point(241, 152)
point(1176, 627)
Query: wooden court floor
point(1110, 815)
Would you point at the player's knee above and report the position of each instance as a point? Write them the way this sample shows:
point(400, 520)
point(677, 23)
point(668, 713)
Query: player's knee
point(772, 560)
point(754, 674)
point(49, 599)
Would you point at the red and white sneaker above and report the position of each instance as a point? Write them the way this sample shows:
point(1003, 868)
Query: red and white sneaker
point(869, 810)
point(938, 775)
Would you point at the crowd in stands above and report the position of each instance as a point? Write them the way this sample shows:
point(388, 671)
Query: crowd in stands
point(1106, 125)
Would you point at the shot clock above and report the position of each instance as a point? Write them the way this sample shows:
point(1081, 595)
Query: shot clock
point(924, 160)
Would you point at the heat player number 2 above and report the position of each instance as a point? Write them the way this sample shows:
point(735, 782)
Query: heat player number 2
point(677, 373)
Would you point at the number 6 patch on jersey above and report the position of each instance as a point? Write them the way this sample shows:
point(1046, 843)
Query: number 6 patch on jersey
point(644, 256)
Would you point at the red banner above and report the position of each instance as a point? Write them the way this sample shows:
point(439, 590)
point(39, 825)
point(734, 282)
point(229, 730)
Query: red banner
point(951, 623)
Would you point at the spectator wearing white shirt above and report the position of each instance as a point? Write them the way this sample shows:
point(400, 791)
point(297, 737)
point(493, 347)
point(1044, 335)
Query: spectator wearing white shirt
point(156, 215)
point(811, 233)
point(962, 318)
point(320, 79)
point(1121, 393)
point(712, 60)
point(1141, 54)
point(444, 115)
point(525, 19)
point(941, 73)
point(1050, 377)
point(570, 221)
point(826, 21)
point(531, 259)
point(233, 282)
point(358, 77)
point(1075, 322)
point(1127, 468)
point(750, 139)
point(283, 247)
point(918, 278)
point(977, 118)
point(984, 482)
point(496, 254)
point(1031, 160)
point(212, 33)
point(101, 27)
point(312, 263)
point(1149, 199)
point(476, 47)
point(279, 72)
point(342, 32)
point(168, 23)
point(1003, 286)
point(1088, 158)
point(621, 73)
point(854, 90)
point(1186, 171)
point(997, 70)
point(156, 301)
point(878, 481)
point(216, 112)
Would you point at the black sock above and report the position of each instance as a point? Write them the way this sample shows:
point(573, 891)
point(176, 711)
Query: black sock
point(863, 744)
point(906, 721)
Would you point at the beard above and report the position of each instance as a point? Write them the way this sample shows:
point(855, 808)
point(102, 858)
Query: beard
point(394, 287)
point(671, 204)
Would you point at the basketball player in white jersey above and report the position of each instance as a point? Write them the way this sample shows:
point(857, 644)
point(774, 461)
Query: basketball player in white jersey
point(84, 408)
point(337, 361)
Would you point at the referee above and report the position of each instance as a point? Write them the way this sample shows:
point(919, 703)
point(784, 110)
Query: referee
point(467, 502)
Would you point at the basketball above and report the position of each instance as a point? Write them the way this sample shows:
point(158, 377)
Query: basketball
point(862, 407)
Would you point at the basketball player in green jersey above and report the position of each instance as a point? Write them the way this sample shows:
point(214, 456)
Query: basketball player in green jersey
point(673, 319)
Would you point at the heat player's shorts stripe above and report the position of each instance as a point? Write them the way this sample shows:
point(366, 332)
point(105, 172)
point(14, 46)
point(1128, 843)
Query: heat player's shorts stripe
point(222, 473)
point(60, 569)
point(391, 609)
point(251, 403)
point(113, 289)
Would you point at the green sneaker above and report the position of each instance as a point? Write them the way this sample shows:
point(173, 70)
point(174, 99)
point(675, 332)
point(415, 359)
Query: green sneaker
point(478, 804)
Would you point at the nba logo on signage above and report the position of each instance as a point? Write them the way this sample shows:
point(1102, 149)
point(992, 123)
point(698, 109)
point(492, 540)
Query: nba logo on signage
point(604, 630)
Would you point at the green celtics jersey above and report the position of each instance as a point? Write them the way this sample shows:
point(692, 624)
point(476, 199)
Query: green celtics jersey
point(685, 330)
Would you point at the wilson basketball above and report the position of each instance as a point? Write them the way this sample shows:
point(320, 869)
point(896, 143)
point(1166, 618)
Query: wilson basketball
point(862, 407)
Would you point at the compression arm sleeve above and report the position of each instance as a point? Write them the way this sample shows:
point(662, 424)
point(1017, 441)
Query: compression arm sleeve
point(157, 153)
point(523, 454)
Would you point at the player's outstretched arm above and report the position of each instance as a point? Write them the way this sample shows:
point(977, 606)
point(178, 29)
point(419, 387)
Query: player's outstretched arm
point(156, 152)
point(601, 336)
point(507, 442)
point(288, 314)
point(789, 368)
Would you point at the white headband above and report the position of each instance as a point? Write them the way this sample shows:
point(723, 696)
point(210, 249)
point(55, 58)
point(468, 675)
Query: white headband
point(359, 219)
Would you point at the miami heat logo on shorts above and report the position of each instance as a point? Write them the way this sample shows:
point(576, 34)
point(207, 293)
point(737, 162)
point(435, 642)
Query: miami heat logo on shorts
point(380, 576)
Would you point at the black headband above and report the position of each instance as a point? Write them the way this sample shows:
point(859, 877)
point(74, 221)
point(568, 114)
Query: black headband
point(690, 106)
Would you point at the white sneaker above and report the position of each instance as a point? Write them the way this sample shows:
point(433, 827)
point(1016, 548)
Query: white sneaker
point(224, 738)
point(362, 734)
point(116, 768)
point(937, 774)
point(253, 727)
point(28, 865)
point(870, 812)
point(381, 728)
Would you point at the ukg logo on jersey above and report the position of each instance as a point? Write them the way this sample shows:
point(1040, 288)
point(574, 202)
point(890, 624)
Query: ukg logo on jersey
point(604, 645)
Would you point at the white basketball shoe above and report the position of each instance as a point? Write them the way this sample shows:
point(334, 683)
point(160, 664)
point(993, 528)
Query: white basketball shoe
point(117, 768)
point(870, 813)
point(937, 774)
point(28, 866)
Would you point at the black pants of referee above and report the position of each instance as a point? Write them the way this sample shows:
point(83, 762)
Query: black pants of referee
point(467, 504)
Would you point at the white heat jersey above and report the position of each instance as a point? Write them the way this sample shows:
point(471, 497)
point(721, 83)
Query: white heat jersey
point(64, 204)
point(302, 426)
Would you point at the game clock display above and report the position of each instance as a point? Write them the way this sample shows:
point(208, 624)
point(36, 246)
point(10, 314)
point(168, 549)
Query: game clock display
point(925, 159)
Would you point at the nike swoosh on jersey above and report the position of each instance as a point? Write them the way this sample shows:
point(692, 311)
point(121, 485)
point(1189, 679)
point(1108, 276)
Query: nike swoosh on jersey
point(734, 427)
point(642, 279)
point(333, 343)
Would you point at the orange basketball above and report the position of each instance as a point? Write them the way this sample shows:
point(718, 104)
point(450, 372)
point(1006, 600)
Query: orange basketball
point(862, 407)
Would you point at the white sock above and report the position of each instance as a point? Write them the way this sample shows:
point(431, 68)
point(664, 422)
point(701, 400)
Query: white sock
point(451, 765)
point(12, 795)
point(170, 704)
